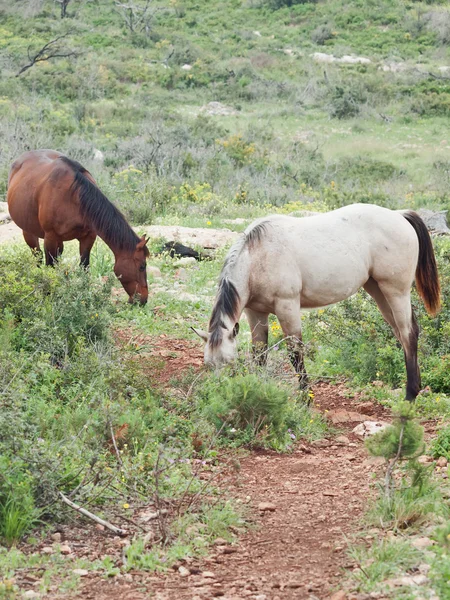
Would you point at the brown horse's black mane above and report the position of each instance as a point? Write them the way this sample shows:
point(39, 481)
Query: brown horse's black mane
point(106, 219)
point(226, 304)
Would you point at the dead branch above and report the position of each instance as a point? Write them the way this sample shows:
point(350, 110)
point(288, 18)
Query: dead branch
point(90, 515)
point(113, 439)
point(432, 75)
point(51, 49)
point(137, 18)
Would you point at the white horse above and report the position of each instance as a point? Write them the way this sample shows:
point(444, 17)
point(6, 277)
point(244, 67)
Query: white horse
point(283, 264)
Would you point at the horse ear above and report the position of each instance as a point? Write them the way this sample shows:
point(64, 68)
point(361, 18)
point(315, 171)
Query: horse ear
point(200, 333)
point(236, 329)
point(142, 242)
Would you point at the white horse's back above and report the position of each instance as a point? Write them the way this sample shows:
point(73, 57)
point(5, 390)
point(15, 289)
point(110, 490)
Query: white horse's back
point(323, 259)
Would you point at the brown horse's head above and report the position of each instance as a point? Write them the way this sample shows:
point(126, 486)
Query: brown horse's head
point(131, 270)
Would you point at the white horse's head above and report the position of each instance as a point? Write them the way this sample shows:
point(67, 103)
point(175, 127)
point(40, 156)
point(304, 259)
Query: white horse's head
point(220, 346)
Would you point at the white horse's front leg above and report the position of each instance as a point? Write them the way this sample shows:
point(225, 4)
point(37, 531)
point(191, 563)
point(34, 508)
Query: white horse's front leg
point(259, 326)
point(289, 316)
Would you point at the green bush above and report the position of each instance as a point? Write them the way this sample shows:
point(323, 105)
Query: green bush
point(53, 310)
point(346, 101)
point(440, 446)
point(256, 411)
point(321, 34)
point(365, 170)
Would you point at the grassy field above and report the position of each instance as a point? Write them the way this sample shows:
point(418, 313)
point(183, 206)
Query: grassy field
point(136, 103)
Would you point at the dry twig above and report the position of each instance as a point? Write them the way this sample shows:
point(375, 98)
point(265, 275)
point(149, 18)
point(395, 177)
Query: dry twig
point(90, 515)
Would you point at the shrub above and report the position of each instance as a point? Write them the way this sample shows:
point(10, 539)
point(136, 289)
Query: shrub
point(438, 21)
point(321, 34)
point(276, 4)
point(440, 446)
point(255, 410)
point(365, 170)
point(346, 102)
point(240, 151)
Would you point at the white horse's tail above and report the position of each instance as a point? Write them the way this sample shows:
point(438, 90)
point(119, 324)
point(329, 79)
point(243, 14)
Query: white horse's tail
point(427, 277)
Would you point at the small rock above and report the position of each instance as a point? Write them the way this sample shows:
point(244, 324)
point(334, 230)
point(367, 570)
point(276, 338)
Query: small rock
point(47, 550)
point(422, 543)
point(407, 580)
point(154, 271)
point(56, 537)
point(65, 549)
point(261, 597)
point(209, 574)
point(220, 542)
point(31, 594)
point(98, 156)
point(424, 568)
point(304, 449)
point(368, 428)
point(342, 439)
point(186, 67)
point(99, 527)
point(266, 507)
point(441, 461)
point(145, 517)
point(366, 408)
point(181, 274)
point(321, 443)
point(340, 595)
point(227, 549)
point(183, 572)
point(424, 459)
point(80, 572)
point(186, 260)
point(341, 415)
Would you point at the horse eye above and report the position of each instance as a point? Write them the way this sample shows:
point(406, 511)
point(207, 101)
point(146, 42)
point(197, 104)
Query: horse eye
point(142, 267)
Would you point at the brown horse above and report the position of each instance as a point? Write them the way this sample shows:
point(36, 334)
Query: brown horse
point(53, 197)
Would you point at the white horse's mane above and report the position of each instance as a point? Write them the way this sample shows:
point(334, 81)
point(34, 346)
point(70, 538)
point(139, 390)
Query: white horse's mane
point(251, 236)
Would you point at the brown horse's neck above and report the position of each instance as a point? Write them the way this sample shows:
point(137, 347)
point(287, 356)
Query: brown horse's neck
point(116, 249)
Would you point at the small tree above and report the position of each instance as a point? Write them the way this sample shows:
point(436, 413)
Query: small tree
point(136, 15)
point(401, 440)
point(64, 4)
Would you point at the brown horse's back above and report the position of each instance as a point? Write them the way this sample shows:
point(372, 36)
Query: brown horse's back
point(40, 196)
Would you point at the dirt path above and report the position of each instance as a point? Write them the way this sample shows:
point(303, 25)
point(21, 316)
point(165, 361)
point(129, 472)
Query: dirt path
point(200, 236)
point(313, 499)
point(297, 550)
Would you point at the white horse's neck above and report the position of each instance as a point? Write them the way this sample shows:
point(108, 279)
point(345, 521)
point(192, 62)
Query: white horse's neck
point(236, 270)
point(233, 290)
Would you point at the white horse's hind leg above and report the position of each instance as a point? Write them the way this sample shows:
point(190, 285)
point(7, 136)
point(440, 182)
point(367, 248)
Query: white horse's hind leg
point(289, 316)
point(372, 288)
point(408, 334)
point(259, 326)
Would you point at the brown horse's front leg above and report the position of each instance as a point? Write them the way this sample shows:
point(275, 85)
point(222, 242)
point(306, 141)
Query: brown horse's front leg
point(33, 242)
point(86, 244)
point(53, 248)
